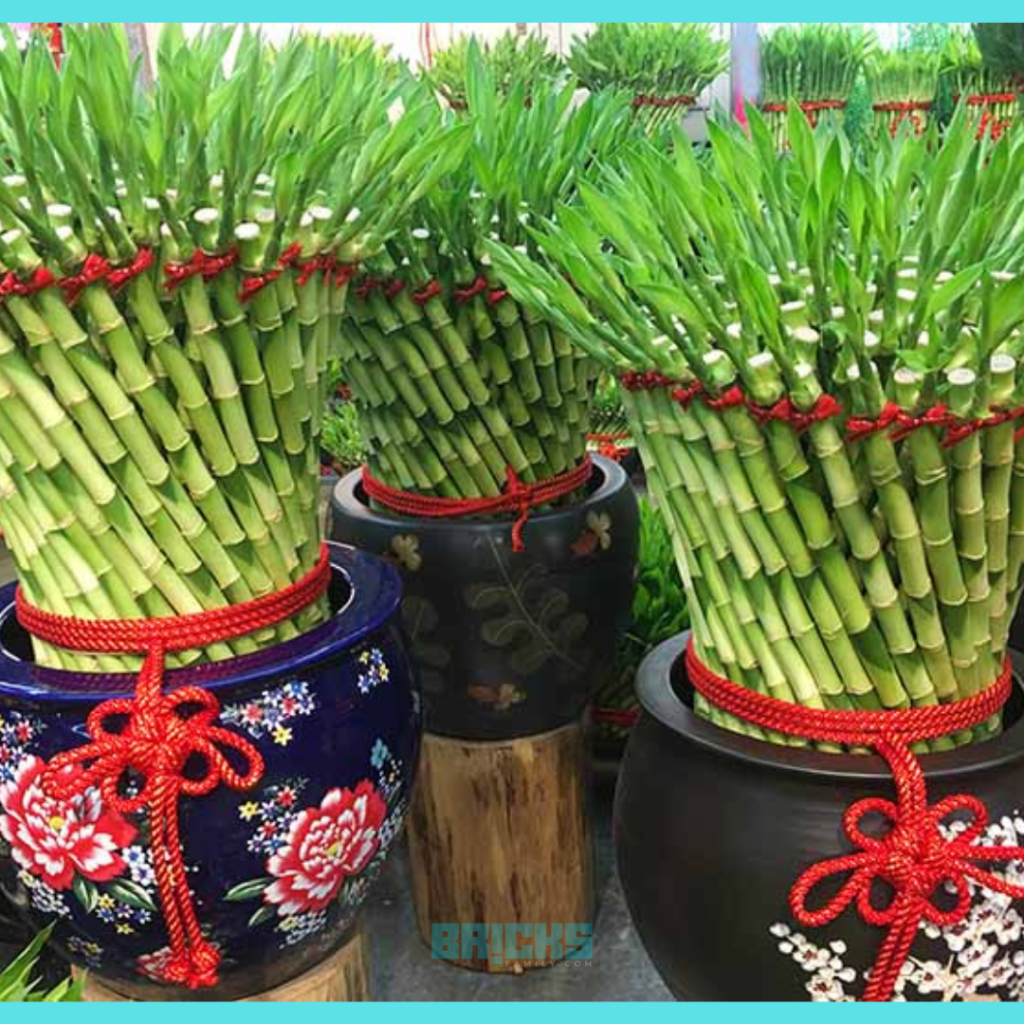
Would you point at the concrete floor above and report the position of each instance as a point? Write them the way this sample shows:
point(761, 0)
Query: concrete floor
point(402, 968)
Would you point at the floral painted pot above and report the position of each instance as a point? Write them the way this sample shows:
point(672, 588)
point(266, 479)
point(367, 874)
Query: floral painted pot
point(712, 829)
point(508, 643)
point(278, 873)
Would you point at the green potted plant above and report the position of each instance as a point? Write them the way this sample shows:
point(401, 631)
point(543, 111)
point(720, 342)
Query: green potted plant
point(989, 90)
point(816, 65)
point(903, 85)
point(820, 360)
point(20, 980)
point(173, 265)
point(516, 546)
point(659, 612)
point(664, 66)
point(513, 59)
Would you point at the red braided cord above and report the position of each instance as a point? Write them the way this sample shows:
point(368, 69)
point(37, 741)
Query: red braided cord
point(480, 286)
point(623, 718)
point(41, 278)
point(808, 106)
point(664, 101)
point(989, 98)
point(902, 106)
point(199, 264)
point(914, 857)
point(826, 406)
point(431, 290)
point(253, 283)
point(150, 737)
point(517, 497)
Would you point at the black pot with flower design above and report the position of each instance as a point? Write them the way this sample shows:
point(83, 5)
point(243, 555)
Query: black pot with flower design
point(712, 829)
point(508, 643)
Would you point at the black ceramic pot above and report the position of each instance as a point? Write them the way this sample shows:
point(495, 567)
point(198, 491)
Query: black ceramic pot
point(712, 829)
point(508, 643)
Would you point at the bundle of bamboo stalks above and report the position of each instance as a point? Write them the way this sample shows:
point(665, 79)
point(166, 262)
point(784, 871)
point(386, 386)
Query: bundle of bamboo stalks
point(455, 382)
point(816, 65)
point(989, 91)
point(821, 365)
point(902, 84)
point(664, 66)
point(170, 264)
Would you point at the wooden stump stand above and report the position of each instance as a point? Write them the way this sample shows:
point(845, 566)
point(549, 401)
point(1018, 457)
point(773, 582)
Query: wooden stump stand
point(342, 978)
point(500, 835)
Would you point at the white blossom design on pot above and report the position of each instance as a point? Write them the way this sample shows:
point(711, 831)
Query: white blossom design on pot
point(983, 958)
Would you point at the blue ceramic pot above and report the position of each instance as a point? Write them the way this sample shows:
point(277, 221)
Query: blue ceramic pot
point(279, 872)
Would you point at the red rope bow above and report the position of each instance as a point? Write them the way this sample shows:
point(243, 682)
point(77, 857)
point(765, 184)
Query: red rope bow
point(431, 290)
point(146, 741)
point(479, 287)
point(858, 427)
point(783, 411)
point(645, 380)
point(254, 283)
point(96, 268)
point(41, 278)
point(118, 277)
point(199, 264)
point(517, 497)
point(914, 858)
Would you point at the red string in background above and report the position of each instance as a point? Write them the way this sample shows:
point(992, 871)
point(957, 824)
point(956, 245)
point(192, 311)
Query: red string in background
point(517, 497)
point(891, 418)
point(662, 102)
point(915, 858)
point(146, 740)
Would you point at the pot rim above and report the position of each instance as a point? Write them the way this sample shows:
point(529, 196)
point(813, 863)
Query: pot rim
point(349, 500)
point(658, 697)
point(374, 594)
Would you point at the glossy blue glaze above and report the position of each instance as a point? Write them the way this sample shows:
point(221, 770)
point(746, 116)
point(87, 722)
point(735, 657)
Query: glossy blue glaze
point(335, 715)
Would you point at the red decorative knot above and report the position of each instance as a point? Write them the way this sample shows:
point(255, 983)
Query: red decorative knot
point(915, 857)
point(370, 284)
point(783, 411)
point(681, 100)
point(255, 283)
point(732, 398)
point(118, 277)
point(40, 278)
point(344, 272)
point(94, 270)
point(687, 393)
point(324, 263)
point(139, 746)
point(479, 287)
point(199, 264)
point(608, 446)
point(517, 497)
point(431, 290)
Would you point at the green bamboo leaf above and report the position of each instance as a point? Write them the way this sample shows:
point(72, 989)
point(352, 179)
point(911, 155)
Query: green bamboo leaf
point(85, 892)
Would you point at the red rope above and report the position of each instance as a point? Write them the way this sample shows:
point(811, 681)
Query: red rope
point(622, 718)
point(990, 98)
point(892, 417)
point(517, 497)
point(479, 287)
point(914, 857)
point(254, 283)
point(149, 738)
point(199, 264)
point(41, 278)
point(431, 290)
point(663, 101)
point(902, 106)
